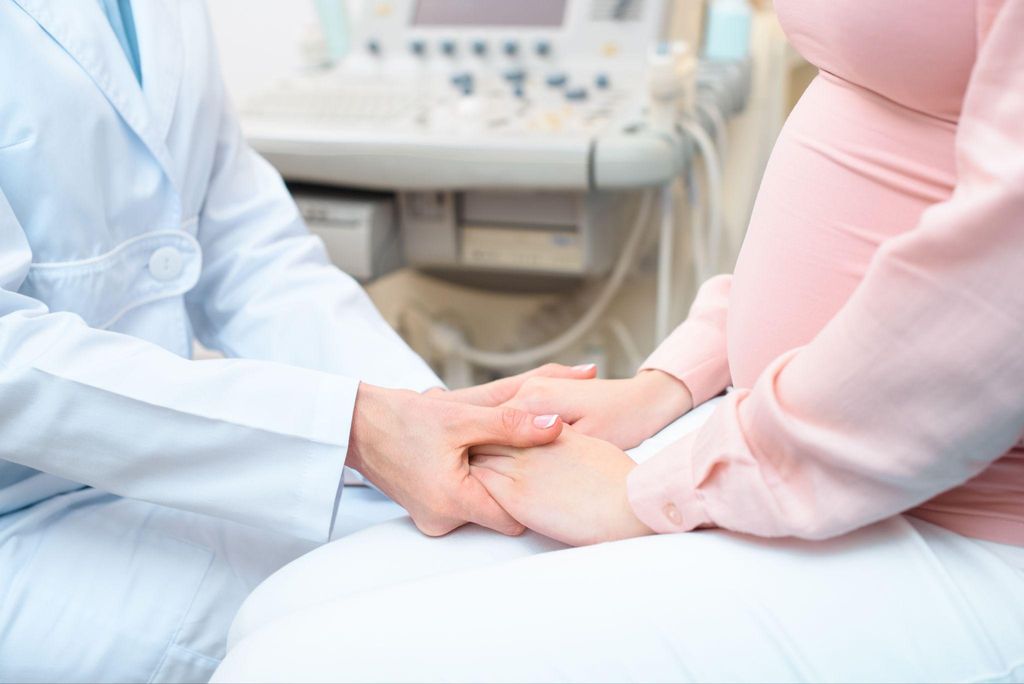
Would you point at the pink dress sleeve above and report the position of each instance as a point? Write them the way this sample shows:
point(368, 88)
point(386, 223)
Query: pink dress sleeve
point(912, 388)
point(695, 352)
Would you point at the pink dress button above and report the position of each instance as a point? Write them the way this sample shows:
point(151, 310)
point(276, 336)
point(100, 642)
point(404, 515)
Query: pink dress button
point(673, 515)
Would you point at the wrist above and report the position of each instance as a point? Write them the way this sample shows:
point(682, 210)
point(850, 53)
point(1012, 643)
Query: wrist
point(667, 392)
point(373, 408)
point(632, 525)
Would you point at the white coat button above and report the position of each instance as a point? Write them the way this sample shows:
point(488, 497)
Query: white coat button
point(166, 263)
point(672, 513)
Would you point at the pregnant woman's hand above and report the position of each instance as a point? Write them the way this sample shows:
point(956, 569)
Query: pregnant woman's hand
point(500, 391)
point(572, 490)
point(623, 412)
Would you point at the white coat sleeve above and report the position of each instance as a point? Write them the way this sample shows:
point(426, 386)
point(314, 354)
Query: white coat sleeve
point(258, 442)
point(268, 289)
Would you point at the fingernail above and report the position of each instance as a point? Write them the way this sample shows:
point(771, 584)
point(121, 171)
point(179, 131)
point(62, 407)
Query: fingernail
point(583, 367)
point(544, 422)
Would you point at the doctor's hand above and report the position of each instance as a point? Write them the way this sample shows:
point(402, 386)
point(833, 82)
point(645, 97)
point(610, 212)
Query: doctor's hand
point(415, 448)
point(573, 490)
point(500, 391)
point(623, 412)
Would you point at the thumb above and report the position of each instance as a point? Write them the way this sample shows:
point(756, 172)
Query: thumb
point(504, 425)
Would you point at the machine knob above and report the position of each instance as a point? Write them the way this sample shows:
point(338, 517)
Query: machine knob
point(448, 47)
point(578, 94)
point(464, 82)
point(543, 48)
point(418, 47)
point(511, 48)
point(373, 47)
point(479, 48)
point(557, 80)
point(602, 81)
point(515, 75)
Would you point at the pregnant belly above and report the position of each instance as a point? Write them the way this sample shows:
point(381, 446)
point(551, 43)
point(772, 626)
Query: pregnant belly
point(849, 171)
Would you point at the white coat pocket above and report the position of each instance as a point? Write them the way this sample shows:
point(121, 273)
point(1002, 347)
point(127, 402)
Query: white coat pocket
point(104, 288)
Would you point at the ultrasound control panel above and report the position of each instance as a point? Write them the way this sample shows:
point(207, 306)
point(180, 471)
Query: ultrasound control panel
point(475, 93)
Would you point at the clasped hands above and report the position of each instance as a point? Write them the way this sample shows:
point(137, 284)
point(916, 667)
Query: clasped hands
point(542, 450)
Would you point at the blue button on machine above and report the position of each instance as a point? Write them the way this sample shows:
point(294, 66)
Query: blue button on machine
point(464, 82)
point(543, 48)
point(515, 75)
point(479, 48)
point(602, 81)
point(373, 47)
point(576, 94)
point(557, 80)
point(448, 47)
point(511, 48)
point(418, 47)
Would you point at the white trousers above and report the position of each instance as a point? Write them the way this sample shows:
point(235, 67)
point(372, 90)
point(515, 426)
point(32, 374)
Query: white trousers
point(96, 588)
point(901, 600)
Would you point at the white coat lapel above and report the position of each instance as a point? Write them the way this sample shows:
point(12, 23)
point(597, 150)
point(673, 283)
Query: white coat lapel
point(82, 30)
point(158, 26)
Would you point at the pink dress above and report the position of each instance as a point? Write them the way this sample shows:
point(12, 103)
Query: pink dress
point(874, 326)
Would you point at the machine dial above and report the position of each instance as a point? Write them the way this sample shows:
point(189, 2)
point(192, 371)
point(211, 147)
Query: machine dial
point(557, 79)
point(616, 10)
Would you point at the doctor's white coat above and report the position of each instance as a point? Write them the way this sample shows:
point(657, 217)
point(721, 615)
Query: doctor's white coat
point(132, 220)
